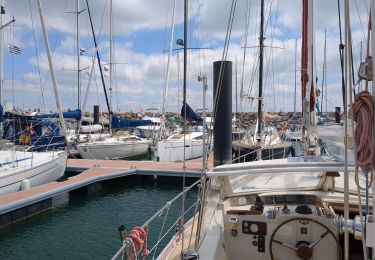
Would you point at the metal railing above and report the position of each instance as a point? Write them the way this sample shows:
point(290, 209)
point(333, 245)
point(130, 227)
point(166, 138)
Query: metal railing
point(158, 215)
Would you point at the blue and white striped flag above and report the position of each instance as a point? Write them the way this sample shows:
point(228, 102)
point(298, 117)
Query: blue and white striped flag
point(14, 49)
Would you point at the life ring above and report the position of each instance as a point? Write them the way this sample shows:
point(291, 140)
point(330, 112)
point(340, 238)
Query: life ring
point(24, 139)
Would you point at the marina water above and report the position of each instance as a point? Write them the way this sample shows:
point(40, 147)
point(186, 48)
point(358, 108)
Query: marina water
point(82, 226)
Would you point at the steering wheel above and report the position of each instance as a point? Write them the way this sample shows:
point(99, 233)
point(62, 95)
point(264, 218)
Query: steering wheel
point(304, 250)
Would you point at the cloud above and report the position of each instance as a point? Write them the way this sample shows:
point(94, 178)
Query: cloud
point(141, 65)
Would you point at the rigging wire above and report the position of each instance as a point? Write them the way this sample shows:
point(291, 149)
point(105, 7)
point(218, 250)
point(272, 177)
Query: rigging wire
point(341, 52)
point(225, 51)
point(37, 58)
point(360, 20)
point(247, 17)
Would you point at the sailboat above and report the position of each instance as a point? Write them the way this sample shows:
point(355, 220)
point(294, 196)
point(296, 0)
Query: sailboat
point(114, 146)
point(308, 207)
point(186, 145)
point(24, 170)
point(263, 145)
point(191, 142)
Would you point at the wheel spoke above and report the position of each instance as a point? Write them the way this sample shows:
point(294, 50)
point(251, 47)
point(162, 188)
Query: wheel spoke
point(285, 244)
point(317, 241)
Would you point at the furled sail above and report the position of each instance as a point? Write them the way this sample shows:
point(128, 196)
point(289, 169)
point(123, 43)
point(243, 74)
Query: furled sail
point(74, 114)
point(123, 123)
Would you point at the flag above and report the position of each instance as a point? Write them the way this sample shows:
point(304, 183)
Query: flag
point(14, 49)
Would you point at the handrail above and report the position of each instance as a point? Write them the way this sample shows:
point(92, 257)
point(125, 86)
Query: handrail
point(158, 213)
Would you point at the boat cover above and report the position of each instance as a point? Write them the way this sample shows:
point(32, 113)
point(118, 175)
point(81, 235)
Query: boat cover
point(123, 123)
point(74, 114)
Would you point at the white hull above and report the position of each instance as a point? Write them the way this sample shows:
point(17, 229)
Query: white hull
point(41, 169)
point(112, 150)
point(173, 150)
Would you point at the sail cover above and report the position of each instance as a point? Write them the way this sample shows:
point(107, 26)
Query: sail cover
point(1, 114)
point(75, 114)
point(190, 114)
point(123, 123)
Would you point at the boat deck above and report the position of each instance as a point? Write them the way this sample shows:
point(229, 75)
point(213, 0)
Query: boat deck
point(23, 204)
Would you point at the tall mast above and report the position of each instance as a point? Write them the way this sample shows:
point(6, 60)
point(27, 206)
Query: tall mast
point(185, 67)
point(324, 70)
point(2, 11)
point(99, 62)
point(236, 86)
point(51, 67)
point(261, 46)
point(110, 60)
point(295, 77)
point(78, 57)
point(182, 219)
point(166, 82)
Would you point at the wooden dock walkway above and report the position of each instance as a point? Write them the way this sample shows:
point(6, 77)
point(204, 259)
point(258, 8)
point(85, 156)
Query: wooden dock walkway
point(190, 166)
point(23, 204)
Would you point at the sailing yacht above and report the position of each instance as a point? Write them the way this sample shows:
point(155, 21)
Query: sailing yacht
point(113, 146)
point(184, 145)
point(180, 146)
point(270, 146)
point(21, 169)
point(191, 142)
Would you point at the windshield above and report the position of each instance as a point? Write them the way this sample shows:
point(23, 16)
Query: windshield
point(271, 181)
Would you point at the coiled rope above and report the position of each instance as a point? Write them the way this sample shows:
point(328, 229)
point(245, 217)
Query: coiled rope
point(363, 115)
point(363, 111)
point(139, 237)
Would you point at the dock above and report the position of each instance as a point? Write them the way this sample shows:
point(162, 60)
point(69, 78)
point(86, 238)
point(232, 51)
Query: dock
point(89, 175)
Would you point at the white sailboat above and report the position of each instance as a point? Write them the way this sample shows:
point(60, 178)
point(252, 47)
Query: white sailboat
point(114, 147)
point(111, 147)
point(179, 147)
point(191, 142)
point(269, 146)
point(23, 170)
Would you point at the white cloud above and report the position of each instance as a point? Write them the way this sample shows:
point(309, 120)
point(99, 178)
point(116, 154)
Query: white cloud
point(140, 81)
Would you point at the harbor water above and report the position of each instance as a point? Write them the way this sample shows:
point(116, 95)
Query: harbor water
point(82, 226)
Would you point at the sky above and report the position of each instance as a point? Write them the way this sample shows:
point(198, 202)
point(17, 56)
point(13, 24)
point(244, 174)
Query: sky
point(141, 35)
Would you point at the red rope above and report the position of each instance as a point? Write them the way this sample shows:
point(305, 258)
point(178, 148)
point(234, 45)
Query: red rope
point(363, 114)
point(139, 237)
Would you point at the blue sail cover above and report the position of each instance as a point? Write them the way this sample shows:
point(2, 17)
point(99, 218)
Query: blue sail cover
point(124, 123)
point(75, 114)
point(1, 114)
point(190, 114)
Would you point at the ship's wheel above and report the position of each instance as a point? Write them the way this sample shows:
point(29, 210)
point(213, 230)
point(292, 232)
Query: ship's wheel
point(304, 250)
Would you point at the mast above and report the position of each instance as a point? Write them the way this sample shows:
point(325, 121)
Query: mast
point(166, 83)
point(236, 85)
point(2, 11)
point(260, 98)
point(78, 58)
point(51, 67)
point(308, 78)
point(348, 85)
point(324, 69)
point(182, 219)
point(295, 77)
point(311, 65)
point(110, 60)
point(185, 68)
point(304, 67)
point(99, 61)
